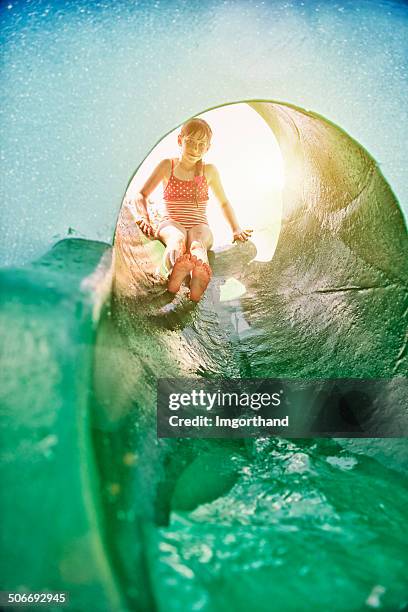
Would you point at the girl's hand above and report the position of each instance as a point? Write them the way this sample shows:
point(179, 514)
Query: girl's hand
point(140, 214)
point(145, 226)
point(241, 235)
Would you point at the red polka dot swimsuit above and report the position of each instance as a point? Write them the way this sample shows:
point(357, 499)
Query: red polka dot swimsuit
point(186, 201)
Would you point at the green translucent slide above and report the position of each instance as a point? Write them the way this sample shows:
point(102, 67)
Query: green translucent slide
point(93, 504)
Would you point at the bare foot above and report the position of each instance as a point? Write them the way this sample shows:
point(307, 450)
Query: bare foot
point(200, 277)
point(182, 267)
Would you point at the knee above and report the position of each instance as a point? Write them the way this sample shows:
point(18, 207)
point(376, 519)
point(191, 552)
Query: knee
point(199, 239)
point(178, 242)
point(196, 235)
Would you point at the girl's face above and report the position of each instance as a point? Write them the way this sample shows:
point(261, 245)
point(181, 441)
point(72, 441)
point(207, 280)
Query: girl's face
point(193, 147)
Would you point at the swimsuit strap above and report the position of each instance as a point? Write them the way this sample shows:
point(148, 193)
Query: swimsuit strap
point(172, 167)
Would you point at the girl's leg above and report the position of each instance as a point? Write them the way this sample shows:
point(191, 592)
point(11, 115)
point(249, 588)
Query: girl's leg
point(174, 236)
point(199, 240)
point(176, 260)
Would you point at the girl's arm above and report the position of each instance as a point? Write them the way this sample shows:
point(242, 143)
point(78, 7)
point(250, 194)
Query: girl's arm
point(138, 199)
point(228, 211)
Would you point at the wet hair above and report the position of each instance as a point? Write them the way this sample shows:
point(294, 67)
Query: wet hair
point(201, 129)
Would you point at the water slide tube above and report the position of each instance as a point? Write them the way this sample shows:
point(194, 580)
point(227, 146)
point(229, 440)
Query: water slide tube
point(86, 330)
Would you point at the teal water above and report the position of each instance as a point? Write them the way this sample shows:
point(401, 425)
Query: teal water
point(306, 526)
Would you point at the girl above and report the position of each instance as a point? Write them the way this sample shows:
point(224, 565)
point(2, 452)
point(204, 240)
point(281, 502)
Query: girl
point(184, 228)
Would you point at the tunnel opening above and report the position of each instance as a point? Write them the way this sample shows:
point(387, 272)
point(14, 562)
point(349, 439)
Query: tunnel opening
point(251, 166)
point(248, 158)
